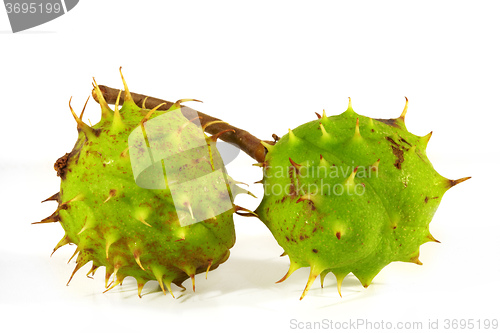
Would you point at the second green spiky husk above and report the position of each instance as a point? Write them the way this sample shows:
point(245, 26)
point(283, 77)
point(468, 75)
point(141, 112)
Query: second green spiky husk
point(350, 194)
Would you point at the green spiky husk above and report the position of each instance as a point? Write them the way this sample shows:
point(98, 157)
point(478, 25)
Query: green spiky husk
point(350, 193)
point(134, 231)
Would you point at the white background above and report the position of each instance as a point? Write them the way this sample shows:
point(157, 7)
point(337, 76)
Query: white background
point(266, 67)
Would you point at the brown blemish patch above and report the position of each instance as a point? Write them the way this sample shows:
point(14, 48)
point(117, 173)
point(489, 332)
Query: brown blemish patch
point(302, 237)
point(399, 157)
point(390, 122)
point(419, 154)
point(293, 193)
point(315, 250)
point(391, 141)
point(60, 165)
point(309, 201)
point(427, 199)
point(338, 235)
point(397, 151)
point(143, 204)
point(96, 131)
point(404, 141)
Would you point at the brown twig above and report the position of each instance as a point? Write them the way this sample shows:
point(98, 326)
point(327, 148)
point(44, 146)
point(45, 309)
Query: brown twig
point(244, 140)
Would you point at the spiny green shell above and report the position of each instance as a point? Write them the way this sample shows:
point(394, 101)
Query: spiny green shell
point(349, 193)
point(136, 231)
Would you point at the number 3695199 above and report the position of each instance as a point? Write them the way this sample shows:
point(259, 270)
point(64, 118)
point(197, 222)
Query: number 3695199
point(32, 8)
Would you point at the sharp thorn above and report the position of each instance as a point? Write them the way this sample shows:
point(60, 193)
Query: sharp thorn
point(237, 210)
point(54, 197)
point(146, 117)
point(84, 106)
point(452, 183)
point(208, 268)
point(192, 280)
point(177, 104)
point(204, 127)
point(293, 267)
point(140, 218)
point(415, 260)
point(312, 277)
point(295, 165)
point(403, 114)
point(356, 130)
point(214, 137)
point(137, 259)
point(349, 106)
point(61, 243)
point(74, 254)
point(78, 266)
point(323, 131)
point(268, 146)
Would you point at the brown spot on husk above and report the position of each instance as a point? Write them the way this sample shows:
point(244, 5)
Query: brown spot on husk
point(390, 122)
point(397, 151)
point(60, 165)
point(391, 141)
point(293, 193)
point(403, 140)
point(400, 158)
point(309, 201)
